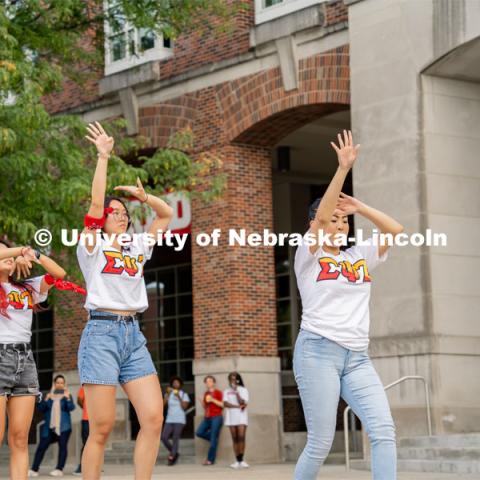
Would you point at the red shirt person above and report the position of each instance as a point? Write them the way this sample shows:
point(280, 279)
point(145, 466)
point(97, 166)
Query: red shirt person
point(210, 427)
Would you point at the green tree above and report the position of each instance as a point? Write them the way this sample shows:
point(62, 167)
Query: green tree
point(46, 165)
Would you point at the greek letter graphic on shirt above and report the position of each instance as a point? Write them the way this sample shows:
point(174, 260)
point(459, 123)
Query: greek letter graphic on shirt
point(330, 269)
point(117, 263)
point(17, 299)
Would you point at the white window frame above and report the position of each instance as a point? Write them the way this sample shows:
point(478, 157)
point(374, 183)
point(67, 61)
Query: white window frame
point(265, 14)
point(158, 52)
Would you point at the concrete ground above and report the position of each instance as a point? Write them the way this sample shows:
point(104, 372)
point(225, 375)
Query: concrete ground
point(257, 472)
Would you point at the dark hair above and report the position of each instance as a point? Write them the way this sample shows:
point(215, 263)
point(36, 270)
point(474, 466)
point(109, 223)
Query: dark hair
point(175, 377)
point(57, 377)
point(238, 378)
point(109, 199)
point(312, 209)
point(21, 285)
point(210, 376)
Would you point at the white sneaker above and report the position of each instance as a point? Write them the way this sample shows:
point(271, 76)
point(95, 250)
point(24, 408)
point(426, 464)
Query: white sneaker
point(244, 465)
point(56, 473)
point(235, 465)
point(32, 473)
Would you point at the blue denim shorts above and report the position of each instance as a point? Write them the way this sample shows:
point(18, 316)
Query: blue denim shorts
point(113, 352)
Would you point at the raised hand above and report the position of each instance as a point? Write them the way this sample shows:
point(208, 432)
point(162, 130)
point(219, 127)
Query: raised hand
point(99, 138)
point(346, 152)
point(137, 191)
point(22, 266)
point(348, 205)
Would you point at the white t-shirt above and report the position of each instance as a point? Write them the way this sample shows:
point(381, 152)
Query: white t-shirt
point(114, 279)
point(18, 328)
point(335, 292)
point(235, 416)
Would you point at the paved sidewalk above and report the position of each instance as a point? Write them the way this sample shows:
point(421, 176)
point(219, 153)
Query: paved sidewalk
point(257, 472)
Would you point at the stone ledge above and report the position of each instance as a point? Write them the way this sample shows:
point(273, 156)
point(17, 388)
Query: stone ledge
point(287, 25)
point(147, 72)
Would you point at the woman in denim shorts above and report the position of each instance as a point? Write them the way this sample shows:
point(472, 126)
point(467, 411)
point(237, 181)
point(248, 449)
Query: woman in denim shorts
point(18, 374)
point(112, 348)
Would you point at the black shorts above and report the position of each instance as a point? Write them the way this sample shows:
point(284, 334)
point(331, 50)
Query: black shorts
point(18, 372)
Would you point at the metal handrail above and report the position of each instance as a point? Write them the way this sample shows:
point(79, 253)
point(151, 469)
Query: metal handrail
point(390, 385)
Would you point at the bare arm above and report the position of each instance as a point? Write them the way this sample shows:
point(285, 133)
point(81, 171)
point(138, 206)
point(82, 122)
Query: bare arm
point(161, 208)
point(347, 155)
point(10, 252)
point(104, 145)
point(382, 221)
point(50, 266)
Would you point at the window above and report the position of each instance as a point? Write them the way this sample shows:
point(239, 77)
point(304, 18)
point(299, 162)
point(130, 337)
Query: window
point(266, 10)
point(168, 322)
point(288, 304)
point(43, 352)
point(127, 46)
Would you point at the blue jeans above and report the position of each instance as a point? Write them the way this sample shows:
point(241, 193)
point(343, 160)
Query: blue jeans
point(209, 430)
point(324, 371)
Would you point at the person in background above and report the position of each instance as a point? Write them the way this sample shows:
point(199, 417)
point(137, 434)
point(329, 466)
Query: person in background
point(210, 427)
point(85, 429)
point(177, 401)
point(57, 426)
point(235, 399)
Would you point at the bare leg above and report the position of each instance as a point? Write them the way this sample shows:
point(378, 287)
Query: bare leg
point(101, 415)
point(146, 396)
point(242, 432)
point(3, 409)
point(20, 413)
point(234, 433)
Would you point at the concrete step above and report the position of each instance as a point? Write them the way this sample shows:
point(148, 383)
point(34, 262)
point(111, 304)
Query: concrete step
point(338, 458)
point(463, 440)
point(434, 453)
point(122, 453)
point(433, 466)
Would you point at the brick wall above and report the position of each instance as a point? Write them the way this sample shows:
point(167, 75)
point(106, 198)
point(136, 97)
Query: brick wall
point(191, 51)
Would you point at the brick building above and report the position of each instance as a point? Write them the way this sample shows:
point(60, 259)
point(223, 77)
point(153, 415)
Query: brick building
point(269, 97)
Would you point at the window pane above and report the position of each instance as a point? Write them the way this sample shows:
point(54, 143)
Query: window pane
point(167, 370)
point(186, 371)
point(185, 326)
point(186, 348)
point(185, 280)
point(168, 328)
point(168, 305)
point(285, 359)
point(283, 311)
point(167, 43)
point(269, 3)
point(147, 39)
point(284, 333)
point(185, 305)
point(283, 286)
point(166, 281)
point(167, 350)
point(132, 50)
point(117, 47)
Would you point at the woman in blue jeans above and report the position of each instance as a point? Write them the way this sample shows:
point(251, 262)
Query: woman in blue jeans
point(331, 358)
point(57, 426)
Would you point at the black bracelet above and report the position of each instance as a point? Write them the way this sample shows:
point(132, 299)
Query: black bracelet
point(37, 253)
